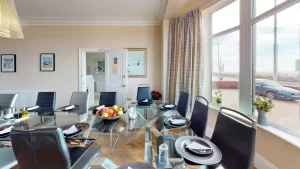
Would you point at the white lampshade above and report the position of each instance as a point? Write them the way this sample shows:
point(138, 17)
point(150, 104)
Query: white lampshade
point(10, 26)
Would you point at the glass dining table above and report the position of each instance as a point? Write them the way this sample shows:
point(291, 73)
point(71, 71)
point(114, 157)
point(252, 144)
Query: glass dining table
point(149, 123)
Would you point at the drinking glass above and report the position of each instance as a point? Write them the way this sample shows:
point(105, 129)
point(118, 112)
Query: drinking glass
point(163, 156)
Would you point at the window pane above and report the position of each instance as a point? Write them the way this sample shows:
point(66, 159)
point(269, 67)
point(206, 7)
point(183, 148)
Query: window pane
point(262, 6)
point(225, 68)
point(278, 66)
point(226, 17)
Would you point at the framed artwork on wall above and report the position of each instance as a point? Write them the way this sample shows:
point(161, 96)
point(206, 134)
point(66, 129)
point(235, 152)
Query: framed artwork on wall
point(137, 62)
point(47, 62)
point(8, 63)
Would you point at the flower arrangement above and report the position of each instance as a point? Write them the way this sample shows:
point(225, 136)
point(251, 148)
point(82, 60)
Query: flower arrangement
point(262, 104)
point(155, 95)
point(218, 96)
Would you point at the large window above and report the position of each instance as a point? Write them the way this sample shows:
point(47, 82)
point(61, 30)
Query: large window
point(225, 54)
point(277, 66)
point(253, 47)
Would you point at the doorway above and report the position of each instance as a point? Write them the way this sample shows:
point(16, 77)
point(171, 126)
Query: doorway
point(103, 70)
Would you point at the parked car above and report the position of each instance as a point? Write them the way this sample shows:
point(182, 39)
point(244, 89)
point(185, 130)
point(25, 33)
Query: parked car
point(274, 90)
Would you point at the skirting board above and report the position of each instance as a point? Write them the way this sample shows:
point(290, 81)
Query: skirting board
point(259, 161)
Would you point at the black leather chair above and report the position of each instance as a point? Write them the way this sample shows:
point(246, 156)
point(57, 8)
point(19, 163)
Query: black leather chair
point(235, 139)
point(46, 102)
point(143, 93)
point(183, 103)
point(199, 116)
point(108, 99)
point(47, 149)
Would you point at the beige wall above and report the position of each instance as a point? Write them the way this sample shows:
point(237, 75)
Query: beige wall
point(65, 42)
point(191, 5)
point(276, 151)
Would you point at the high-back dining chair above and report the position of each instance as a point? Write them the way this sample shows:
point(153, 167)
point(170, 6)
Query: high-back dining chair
point(199, 116)
point(183, 103)
point(143, 93)
point(47, 149)
point(8, 100)
point(82, 100)
point(235, 139)
point(108, 99)
point(46, 102)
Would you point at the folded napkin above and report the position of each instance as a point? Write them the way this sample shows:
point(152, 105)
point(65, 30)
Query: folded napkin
point(7, 130)
point(70, 130)
point(145, 101)
point(129, 167)
point(70, 107)
point(33, 108)
point(196, 146)
point(169, 106)
point(100, 107)
point(177, 121)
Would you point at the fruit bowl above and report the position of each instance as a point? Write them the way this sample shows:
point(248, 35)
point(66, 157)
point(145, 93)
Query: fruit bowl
point(111, 113)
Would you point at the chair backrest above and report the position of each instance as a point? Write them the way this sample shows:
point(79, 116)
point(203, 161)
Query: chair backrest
point(143, 93)
point(46, 101)
point(108, 98)
point(40, 149)
point(81, 99)
point(183, 103)
point(199, 116)
point(235, 139)
point(8, 100)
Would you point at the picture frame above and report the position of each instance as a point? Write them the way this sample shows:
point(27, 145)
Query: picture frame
point(47, 62)
point(8, 63)
point(137, 62)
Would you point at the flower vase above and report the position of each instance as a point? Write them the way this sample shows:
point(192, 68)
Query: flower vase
point(219, 106)
point(262, 119)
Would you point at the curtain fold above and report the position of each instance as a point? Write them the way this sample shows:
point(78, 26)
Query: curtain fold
point(184, 57)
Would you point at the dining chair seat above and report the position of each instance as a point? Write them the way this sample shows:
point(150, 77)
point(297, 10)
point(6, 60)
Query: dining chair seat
point(47, 149)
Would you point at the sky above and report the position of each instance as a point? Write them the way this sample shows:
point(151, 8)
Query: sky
point(288, 37)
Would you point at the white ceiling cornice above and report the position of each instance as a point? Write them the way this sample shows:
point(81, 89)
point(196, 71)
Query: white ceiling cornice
point(111, 21)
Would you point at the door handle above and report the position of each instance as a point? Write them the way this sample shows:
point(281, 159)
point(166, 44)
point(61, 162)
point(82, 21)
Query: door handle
point(123, 85)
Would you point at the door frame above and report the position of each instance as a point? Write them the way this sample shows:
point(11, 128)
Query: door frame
point(81, 56)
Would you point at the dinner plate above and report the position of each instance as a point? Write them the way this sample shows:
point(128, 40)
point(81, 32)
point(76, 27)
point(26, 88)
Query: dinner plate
point(81, 128)
point(3, 128)
point(214, 157)
point(167, 122)
point(4, 135)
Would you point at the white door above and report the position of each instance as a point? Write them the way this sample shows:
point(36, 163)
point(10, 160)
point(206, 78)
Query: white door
point(116, 74)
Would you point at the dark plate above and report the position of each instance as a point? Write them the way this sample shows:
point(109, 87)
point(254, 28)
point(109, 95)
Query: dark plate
point(198, 152)
point(167, 122)
point(213, 158)
point(81, 128)
point(3, 128)
point(4, 135)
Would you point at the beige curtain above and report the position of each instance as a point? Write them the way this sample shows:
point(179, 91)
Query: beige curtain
point(184, 58)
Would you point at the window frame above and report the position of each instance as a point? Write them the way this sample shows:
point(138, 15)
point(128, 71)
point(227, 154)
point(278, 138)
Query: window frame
point(247, 46)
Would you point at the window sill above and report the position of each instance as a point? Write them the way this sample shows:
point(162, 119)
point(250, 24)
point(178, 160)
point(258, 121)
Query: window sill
point(273, 129)
point(290, 138)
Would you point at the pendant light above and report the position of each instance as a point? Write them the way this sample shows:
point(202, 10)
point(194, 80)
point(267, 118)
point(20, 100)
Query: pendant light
point(10, 26)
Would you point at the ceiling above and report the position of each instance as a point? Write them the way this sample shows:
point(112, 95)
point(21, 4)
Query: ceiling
point(90, 12)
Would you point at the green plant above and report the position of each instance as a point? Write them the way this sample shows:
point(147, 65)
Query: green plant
point(262, 104)
point(218, 96)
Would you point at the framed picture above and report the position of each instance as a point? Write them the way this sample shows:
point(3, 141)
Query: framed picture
point(47, 62)
point(137, 62)
point(8, 63)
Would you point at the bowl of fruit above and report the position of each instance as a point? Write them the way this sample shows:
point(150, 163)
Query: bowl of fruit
point(110, 113)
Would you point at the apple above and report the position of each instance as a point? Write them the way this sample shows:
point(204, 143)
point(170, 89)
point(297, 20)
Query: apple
point(115, 107)
point(104, 115)
point(114, 115)
point(102, 110)
point(120, 112)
